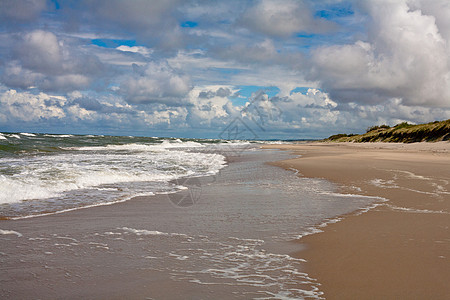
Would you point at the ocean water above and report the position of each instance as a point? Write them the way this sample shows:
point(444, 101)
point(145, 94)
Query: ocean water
point(45, 173)
point(227, 232)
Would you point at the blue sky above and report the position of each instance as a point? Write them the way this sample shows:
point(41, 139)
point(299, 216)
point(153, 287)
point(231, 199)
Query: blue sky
point(288, 69)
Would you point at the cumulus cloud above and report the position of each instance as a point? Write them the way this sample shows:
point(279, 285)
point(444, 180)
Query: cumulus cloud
point(405, 57)
point(28, 107)
point(314, 114)
point(18, 108)
point(40, 51)
point(439, 9)
point(155, 82)
point(41, 59)
point(211, 107)
point(17, 77)
point(303, 111)
point(283, 18)
point(173, 65)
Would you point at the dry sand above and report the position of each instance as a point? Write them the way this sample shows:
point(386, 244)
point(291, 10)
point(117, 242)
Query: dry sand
point(401, 248)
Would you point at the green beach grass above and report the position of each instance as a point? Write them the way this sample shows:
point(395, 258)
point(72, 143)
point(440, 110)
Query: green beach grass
point(400, 133)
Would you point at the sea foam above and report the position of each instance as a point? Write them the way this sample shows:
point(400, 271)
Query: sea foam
point(2, 231)
point(76, 176)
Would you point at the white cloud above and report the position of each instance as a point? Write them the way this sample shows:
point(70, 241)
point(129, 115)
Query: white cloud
point(211, 106)
point(439, 9)
point(313, 97)
point(155, 82)
point(388, 61)
point(405, 57)
point(16, 107)
point(78, 113)
point(174, 118)
point(144, 51)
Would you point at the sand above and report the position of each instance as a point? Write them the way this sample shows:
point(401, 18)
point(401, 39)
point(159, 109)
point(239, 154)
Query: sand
point(397, 250)
point(230, 244)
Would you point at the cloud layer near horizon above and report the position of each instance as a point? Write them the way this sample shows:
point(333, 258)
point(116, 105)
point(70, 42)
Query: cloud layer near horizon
point(291, 69)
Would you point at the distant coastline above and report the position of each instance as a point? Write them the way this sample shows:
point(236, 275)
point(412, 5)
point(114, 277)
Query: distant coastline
point(401, 133)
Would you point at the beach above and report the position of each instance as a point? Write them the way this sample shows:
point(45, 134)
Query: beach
point(399, 249)
point(230, 235)
point(253, 149)
point(334, 221)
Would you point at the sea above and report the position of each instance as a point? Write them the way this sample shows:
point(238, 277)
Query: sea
point(48, 173)
point(89, 216)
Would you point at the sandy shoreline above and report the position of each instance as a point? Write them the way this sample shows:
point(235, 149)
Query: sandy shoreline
point(230, 244)
point(401, 248)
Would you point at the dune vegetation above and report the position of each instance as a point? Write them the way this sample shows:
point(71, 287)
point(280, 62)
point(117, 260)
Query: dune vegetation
point(400, 133)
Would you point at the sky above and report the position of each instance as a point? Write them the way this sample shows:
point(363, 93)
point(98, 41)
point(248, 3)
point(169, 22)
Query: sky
point(263, 69)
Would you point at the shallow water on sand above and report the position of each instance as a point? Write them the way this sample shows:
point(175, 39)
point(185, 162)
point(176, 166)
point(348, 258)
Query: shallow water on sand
point(227, 236)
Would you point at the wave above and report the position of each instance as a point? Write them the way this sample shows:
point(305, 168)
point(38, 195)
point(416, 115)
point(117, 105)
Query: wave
point(47, 173)
point(150, 232)
point(27, 134)
point(60, 135)
point(416, 211)
point(34, 215)
point(50, 176)
point(140, 147)
point(353, 196)
point(2, 231)
point(166, 144)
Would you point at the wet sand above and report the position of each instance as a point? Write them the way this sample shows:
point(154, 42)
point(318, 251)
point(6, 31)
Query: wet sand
point(231, 243)
point(399, 249)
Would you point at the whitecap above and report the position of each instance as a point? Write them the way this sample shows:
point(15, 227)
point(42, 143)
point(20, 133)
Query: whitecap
point(353, 196)
point(166, 144)
point(416, 211)
point(59, 135)
point(27, 134)
point(3, 231)
point(150, 232)
point(81, 207)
